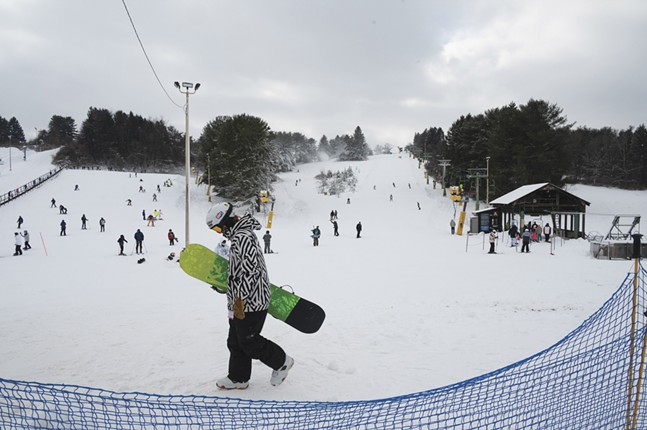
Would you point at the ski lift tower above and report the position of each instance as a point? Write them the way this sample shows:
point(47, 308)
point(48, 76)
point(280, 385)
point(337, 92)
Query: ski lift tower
point(478, 174)
point(444, 164)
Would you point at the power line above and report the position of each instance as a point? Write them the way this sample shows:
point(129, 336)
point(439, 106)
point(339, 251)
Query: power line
point(146, 55)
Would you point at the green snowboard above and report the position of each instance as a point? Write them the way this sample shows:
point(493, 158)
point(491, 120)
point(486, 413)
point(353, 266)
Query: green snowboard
point(202, 263)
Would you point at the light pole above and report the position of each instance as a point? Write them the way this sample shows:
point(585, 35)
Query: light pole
point(487, 181)
point(186, 88)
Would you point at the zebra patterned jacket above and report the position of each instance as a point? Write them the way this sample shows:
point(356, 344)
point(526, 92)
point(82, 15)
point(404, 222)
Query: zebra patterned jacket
point(248, 279)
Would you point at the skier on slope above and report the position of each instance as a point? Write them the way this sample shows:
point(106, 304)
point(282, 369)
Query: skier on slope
point(316, 234)
point(139, 242)
point(121, 242)
point(171, 237)
point(493, 237)
point(248, 299)
point(525, 239)
point(19, 243)
point(513, 233)
point(267, 238)
point(335, 228)
point(25, 234)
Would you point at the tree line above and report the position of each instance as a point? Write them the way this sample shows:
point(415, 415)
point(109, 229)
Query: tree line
point(532, 143)
point(240, 155)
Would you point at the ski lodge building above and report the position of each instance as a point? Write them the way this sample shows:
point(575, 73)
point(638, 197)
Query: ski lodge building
point(542, 203)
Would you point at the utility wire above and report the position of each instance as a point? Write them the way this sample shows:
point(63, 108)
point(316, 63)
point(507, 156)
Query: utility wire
point(146, 55)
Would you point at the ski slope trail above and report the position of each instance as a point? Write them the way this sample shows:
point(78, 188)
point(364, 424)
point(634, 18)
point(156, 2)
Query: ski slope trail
point(409, 307)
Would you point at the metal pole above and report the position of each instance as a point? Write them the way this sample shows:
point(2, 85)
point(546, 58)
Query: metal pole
point(487, 181)
point(187, 167)
point(477, 190)
point(209, 177)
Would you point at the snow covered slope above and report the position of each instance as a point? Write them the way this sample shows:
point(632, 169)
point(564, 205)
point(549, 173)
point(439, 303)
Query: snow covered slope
point(409, 306)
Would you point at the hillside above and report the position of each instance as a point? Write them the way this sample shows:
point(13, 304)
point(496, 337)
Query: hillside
point(409, 307)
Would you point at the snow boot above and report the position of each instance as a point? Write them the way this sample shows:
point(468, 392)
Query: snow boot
point(278, 376)
point(227, 384)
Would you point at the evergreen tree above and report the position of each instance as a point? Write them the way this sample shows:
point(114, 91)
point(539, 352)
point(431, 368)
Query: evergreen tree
point(293, 148)
point(356, 147)
point(16, 134)
point(338, 145)
point(61, 131)
point(4, 131)
point(240, 156)
point(324, 146)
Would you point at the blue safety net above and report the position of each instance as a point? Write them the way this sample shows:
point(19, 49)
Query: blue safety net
point(592, 379)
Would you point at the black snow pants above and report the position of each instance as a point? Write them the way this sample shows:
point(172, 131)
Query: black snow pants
point(246, 343)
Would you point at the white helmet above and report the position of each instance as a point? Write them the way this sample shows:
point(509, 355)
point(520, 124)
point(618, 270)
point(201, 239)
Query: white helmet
point(217, 214)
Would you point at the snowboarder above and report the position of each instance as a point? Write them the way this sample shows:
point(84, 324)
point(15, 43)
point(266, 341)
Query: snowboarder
point(63, 227)
point(316, 234)
point(525, 239)
point(452, 225)
point(267, 238)
point(26, 236)
point(493, 238)
point(139, 242)
point(84, 219)
point(102, 225)
point(19, 243)
point(335, 228)
point(20, 221)
point(121, 242)
point(171, 237)
point(547, 232)
point(248, 299)
point(358, 227)
point(222, 249)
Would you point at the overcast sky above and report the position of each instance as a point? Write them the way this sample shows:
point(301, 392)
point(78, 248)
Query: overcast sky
point(324, 66)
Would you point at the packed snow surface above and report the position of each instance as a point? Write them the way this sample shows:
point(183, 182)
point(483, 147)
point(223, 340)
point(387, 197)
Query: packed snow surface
point(409, 306)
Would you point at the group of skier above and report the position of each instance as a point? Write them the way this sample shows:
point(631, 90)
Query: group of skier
point(531, 233)
point(316, 231)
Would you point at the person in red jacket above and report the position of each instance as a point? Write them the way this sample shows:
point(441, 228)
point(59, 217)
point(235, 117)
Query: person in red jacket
point(171, 237)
